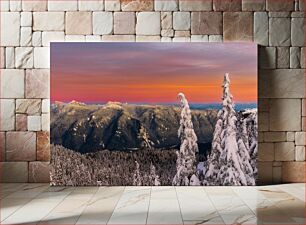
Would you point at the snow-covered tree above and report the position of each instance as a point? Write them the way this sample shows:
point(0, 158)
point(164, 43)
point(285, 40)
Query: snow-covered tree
point(248, 134)
point(153, 177)
point(186, 157)
point(229, 161)
point(137, 176)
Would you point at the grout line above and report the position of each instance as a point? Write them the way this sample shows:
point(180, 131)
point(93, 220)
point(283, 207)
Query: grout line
point(177, 198)
point(55, 207)
point(116, 205)
point(217, 211)
point(27, 203)
point(88, 201)
point(149, 205)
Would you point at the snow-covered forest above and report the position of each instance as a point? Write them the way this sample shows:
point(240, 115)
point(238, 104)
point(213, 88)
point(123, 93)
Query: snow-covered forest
point(231, 160)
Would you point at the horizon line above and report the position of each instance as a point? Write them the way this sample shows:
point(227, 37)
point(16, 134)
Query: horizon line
point(150, 103)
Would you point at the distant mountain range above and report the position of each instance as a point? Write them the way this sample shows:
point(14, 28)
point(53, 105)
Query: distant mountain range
point(116, 126)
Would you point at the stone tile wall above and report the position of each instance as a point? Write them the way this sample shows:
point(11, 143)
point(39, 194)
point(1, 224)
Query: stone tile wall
point(28, 27)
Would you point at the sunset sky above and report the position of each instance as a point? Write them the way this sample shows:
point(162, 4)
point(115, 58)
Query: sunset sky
point(152, 72)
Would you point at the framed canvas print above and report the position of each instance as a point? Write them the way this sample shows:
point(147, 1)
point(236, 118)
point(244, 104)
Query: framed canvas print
point(182, 114)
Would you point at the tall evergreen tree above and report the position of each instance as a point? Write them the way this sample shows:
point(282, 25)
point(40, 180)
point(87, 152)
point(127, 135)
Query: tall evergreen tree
point(186, 157)
point(137, 181)
point(229, 161)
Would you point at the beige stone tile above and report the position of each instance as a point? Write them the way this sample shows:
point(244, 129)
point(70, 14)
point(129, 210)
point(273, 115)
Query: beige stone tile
point(181, 39)
point(297, 32)
point(265, 152)
point(206, 23)
point(282, 5)
point(75, 38)
point(37, 83)
point(181, 21)
point(137, 5)
point(112, 5)
point(52, 36)
point(199, 38)
point(26, 19)
point(253, 5)
point(25, 36)
point(34, 5)
point(300, 153)
point(230, 5)
point(147, 38)
point(166, 20)
point(264, 173)
point(7, 114)
point(4, 5)
point(102, 23)
point(215, 38)
point(91, 5)
point(58, 5)
point(261, 28)
point(28, 106)
point(300, 138)
point(284, 151)
point(78, 23)
point(93, 38)
point(21, 122)
point(169, 5)
point(48, 21)
point(293, 172)
point(238, 26)
point(12, 83)
point(182, 33)
point(20, 146)
point(143, 28)
point(166, 39)
point(202, 5)
point(10, 57)
point(279, 32)
point(290, 136)
point(39, 172)
point(124, 22)
point(295, 57)
point(41, 57)
point(45, 122)
point(283, 57)
point(34, 123)
point(285, 115)
point(45, 108)
point(167, 33)
point(43, 146)
point(10, 28)
point(14, 172)
point(37, 39)
point(281, 83)
point(275, 136)
point(24, 57)
point(267, 57)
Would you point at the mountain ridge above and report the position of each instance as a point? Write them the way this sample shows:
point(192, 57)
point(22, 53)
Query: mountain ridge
point(118, 126)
